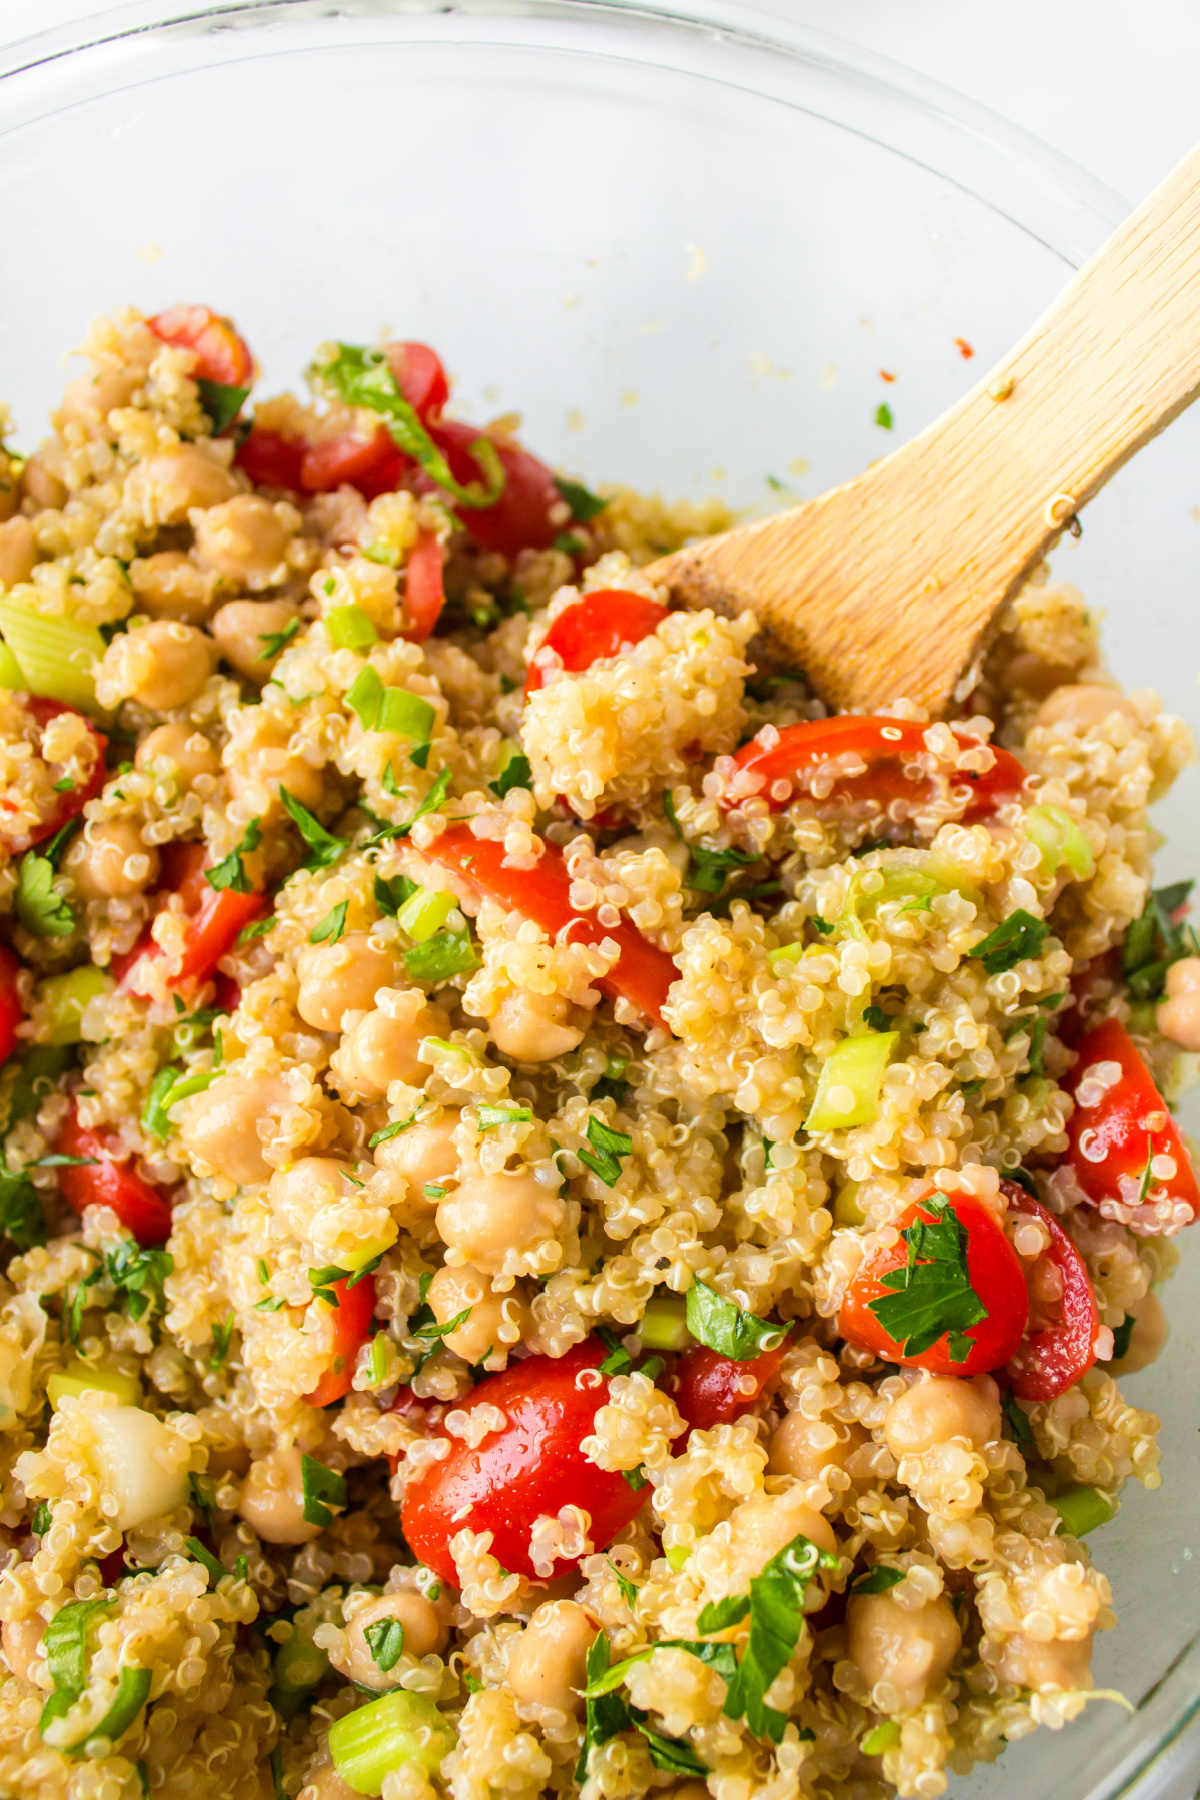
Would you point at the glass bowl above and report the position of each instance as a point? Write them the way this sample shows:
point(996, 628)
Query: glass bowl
point(698, 253)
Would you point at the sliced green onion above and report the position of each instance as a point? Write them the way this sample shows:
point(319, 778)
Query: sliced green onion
point(677, 1555)
point(856, 1067)
point(133, 1689)
point(1060, 840)
point(58, 657)
point(1082, 1509)
point(65, 996)
point(398, 1728)
point(349, 628)
point(382, 708)
point(445, 954)
point(883, 1737)
point(424, 912)
point(664, 1323)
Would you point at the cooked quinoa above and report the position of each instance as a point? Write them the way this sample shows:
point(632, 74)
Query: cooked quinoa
point(327, 1140)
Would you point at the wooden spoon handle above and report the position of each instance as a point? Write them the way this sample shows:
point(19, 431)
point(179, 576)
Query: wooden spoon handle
point(885, 587)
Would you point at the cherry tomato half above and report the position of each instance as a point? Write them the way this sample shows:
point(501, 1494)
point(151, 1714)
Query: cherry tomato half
point(424, 595)
point(420, 378)
point(642, 975)
point(598, 625)
point(371, 464)
point(1060, 1344)
point(803, 755)
point(714, 1390)
point(12, 1012)
point(1124, 1149)
point(994, 1272)
point(223, 355)
point(65, 806)
point(270, 459)
point(349, 1328)
point(521, 517)
point(106, 1181)
point(214, 921)
point(532, 1465)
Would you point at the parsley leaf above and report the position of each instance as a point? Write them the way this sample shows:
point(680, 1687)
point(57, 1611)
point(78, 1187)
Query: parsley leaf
point(719, 1615)
point(324, 848)
point(877, 1019)
point(391, 895)
point(222, 1337)
point(637, 1478)
point(445, 954)
point(229, 873)
point(583, 503)
point(1019, 936)
point(486, 1117)
point(877, 1580)
point(39, 909)
point(607, 1714)
point(21, 1217)
point(1018, 1424)
point(725, 1328)
point(322, 1489)
point(221, 402)
point(274, 641)
point(710, 869)
point(776, 1621)
point(934, 1297)
point(331, 926)
point(139, 1275)
point(390, 1131)
point(1121, 1336)
point(385, 1641)
point(629, 1589)
point(618, 1361)
point(256, 929)
point(516, 773)
point(609, 1146)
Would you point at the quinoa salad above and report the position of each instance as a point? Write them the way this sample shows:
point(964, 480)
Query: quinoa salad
point(572, 1223)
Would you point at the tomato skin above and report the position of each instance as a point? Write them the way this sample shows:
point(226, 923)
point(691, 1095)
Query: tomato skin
point(643, 974)
point(223, 355)
point(532, 1465)
point(802, 750)
point(351, 1327)
point(270, 459)
point(370, 464)
point(216, 919)
point(141, 1207)
point(424, 594)
point(1110, 1141)
point(596, 626)
point(1051, 1359)
point(420, 377)
point(12, 1013)
point(714, 1390)
point(521, 518)
point(995, 1274)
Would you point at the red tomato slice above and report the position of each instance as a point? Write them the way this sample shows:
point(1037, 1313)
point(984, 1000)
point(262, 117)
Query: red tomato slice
point(350, 1328)
point(370, 464)
point(215, 921)
point(600, 624)
point(142, 1208)
point(995, 1274)
point(521, 518)
point(643, 974)
point(11, 1011)
point(1120, 1123)
point(1053, 1356)
point(68, 805)
point(803, 756)
point(270, 459)
point(533, 1465)
point(420, 377)
point(223, 355)
point(424, 595)
point(714, 1390)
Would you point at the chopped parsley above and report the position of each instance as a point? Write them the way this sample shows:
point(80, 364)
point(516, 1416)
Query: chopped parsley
point(583, 503)
point(609, 1146)
point(877, 1019)
point(323, 847)
point(516, 773)
point(445, 954)
point(487, 1117)
point(618, 1361)
point(385, 1641)
point(775, 1605)
point(229, 873)
point(390, 1131)
point(1018, 1424)
point(629, 1589)
point(608, 1715)
point(222, 1338)
point(724, 1327)
point(322, 1489)
point(42, 912)
point(1154, 941)
point(883, 416)
point(275, 641)
point(221, 402)
point(257, 928)
point(877, 1580)
point(1020, 936)
point(391, 895)
point(934, 1297)
point(710, 869)
point(331, 927)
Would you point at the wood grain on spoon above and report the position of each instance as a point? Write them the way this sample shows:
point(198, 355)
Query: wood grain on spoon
point(885, 587)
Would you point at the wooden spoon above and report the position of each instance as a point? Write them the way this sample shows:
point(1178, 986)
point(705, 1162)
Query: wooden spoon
point(885, 587)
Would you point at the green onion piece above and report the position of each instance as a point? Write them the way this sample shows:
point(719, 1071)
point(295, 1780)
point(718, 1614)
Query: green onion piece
point(57, 656)
point(154, 1113)
point(1060, 840)
point(198, 1553)
point(884, 1737)
point(349, 628)
point(424, 912)
point(297, 1668)
point(398, 1728)
point(856, 1066)
point(78, 1377)
point(664, 1323)
point(1082, 1509)
point(65, 996)
point(133, 1689)
point(10, 671)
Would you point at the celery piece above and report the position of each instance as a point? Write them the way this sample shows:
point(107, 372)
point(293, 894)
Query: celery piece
point(57, 656)
point(677, 1555)
point(664, 1323)
point(885, 1736)
point(846, 1210)
point(398, 1728)
point(1082, 1509)
point(382, 708)
point(856, 1067)
point(133, 1690)
point(1060, 840)
point(297, 1668)
point(914, 876)
point(64, 998)
point(349, 628)
point(423, 913)
point(10, 671)
point(78, 1377)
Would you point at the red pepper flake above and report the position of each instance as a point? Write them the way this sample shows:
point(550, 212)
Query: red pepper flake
point(964, 349)
point(884, 376)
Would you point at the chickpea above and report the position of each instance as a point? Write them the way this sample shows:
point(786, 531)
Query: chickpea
point(168, 585)
point(547, 1666)
point(164, 664)
point(272, 1500)
point(166, 486)
point(241, 629)
point(1033, 1663)
point(21, 1640)
point(807, 1447)
point(1147, 1339)
point(381, 1049)
point(534, 1028)
point(257, 773)
point(909, 1647)
point(1179, 1014)
point(490, 1216)
point(187, 751)
point(42, 487)
point(423, 1153)
point(497, 1321)
point(109, 860)
point(1084, 706)
point(943, 1407)
point(297, 1193)
point(245, 539)
point(423, 1631)
point(89, 399)
point(762, 1526)
point(18, 551)
point(221, 1126)
point(341, 978)
point(326, 1784)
